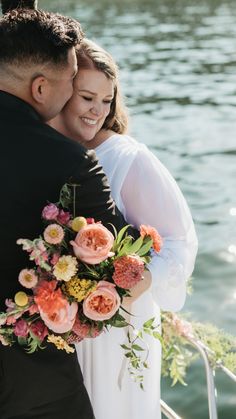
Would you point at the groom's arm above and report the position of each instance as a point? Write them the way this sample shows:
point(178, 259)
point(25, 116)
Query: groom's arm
point(93, 195)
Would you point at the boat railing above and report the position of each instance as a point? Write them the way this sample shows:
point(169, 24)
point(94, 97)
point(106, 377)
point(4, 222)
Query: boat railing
point(204, 352)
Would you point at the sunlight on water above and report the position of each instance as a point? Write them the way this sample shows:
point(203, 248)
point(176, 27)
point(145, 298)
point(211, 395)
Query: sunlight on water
point(227, 257)
point(232, 249)
point(232, 211)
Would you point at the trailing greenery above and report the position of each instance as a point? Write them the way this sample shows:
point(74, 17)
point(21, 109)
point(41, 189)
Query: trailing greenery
point(178, 352)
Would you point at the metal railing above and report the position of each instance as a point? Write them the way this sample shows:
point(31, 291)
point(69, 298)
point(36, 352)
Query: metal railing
point(204, 351)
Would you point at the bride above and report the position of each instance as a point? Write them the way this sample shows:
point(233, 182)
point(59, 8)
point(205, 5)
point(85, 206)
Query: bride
point(145, 193)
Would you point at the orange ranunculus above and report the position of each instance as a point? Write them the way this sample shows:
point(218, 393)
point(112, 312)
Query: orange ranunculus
point(48, 298)
point(56, 312)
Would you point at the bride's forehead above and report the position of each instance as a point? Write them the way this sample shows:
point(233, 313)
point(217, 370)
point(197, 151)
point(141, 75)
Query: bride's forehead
point(95, 78)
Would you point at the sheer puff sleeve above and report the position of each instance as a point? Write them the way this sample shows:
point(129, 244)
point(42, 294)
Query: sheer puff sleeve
point(151, 196)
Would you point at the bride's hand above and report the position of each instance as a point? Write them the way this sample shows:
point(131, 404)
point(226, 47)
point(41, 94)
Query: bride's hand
point(138, 290)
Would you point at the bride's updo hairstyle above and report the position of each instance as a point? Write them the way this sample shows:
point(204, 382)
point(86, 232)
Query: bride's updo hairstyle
point(91, 56)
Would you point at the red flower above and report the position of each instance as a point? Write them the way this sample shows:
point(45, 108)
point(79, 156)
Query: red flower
point(39, 329)
point(63, 217)
point(128, 271)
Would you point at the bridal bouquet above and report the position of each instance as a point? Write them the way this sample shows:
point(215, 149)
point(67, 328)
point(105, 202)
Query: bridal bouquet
point(79, 276)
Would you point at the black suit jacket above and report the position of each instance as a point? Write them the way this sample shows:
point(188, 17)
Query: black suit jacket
point(35, 162)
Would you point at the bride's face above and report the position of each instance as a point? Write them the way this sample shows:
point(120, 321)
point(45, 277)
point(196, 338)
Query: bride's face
point(89, 105)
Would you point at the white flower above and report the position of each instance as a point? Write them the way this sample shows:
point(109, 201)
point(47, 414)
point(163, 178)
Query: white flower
point(65, 268)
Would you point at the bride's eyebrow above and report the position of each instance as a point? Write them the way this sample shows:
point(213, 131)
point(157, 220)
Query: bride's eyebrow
point(86, 91)
point(91, 93)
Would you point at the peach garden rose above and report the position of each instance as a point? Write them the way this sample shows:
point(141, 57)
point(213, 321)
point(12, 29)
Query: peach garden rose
point(102, 303)
point(93, 244)
point(62, 320)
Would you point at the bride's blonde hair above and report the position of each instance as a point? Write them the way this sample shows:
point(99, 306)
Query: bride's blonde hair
point(92, 56)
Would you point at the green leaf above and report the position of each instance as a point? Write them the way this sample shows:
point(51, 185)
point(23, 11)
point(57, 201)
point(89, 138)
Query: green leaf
point(145, 248)
point(65, 196)
point(119, 323)
point(22, 341)
point(125, 347)
point(149, 323)
point(137, 348)
point(124, 248)
point(135, 246)
point(121, 234)
point(157, 335)
point(128, 355)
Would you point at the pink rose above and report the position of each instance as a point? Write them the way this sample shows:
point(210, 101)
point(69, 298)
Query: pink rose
point(39, 329)
point(21, 328)
point(93, 244)
point(61, 320)
point(63, 217)
point(102, 303)
point(50, 212)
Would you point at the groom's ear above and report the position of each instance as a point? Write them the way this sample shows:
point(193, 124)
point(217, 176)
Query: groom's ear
point(40, 89)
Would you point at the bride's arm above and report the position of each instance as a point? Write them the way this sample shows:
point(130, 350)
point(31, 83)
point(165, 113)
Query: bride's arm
point(151, 196)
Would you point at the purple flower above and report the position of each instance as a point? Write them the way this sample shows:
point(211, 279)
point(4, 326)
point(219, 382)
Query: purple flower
point(21, 328)
point(50, 212)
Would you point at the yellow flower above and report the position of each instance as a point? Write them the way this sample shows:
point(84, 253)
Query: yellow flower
point(80, 288)
point(21, 299)
point(78, 223)
point(65, 268)
point(60, 343)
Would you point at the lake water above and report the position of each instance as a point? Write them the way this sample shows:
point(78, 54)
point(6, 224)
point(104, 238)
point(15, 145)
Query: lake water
point(178, 72)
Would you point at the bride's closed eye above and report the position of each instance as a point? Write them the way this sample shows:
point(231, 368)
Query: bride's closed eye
point(87, 98)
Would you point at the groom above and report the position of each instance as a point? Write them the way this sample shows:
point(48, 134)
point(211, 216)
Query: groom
point(37, 67)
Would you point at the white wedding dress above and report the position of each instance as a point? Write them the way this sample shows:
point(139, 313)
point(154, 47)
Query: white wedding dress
point(145, 193)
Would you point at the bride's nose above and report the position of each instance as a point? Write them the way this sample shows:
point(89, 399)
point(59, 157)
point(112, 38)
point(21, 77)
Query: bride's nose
point(97, 109)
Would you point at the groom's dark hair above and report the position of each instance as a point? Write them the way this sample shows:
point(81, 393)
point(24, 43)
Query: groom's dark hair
point(8, 5)
point(37, 37)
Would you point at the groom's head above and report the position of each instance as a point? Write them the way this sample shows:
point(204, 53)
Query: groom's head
point(37, 58)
